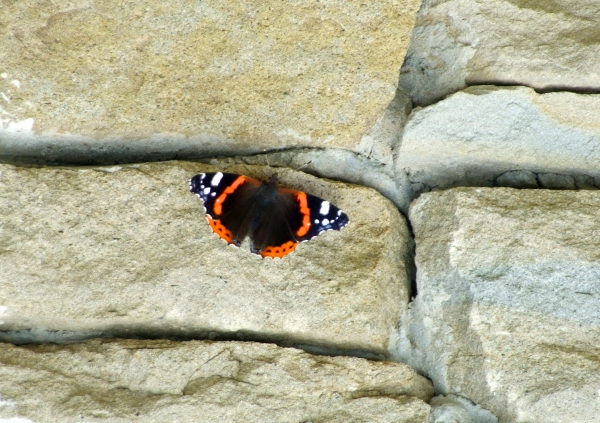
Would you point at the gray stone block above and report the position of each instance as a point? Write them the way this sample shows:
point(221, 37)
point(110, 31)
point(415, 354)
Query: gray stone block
point(508, 308)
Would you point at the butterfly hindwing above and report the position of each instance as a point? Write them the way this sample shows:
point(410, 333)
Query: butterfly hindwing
point(274, 235)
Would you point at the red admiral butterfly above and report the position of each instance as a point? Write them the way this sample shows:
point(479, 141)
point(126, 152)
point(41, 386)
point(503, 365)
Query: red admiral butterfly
point(276, 219)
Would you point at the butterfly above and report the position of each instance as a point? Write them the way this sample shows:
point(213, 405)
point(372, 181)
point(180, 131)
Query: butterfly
point(276, 219)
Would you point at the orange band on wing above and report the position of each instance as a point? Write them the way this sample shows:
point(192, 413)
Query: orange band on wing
point(220, 229)
point(303, 201)
point(218, 206)
point(282, 250)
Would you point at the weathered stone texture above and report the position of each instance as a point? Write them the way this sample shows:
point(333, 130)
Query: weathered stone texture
point(224, 76)
point(543, 44)
point(457, 409)
point(160, 381)
point(127, 250)
point(508, 306)
point(476, 135)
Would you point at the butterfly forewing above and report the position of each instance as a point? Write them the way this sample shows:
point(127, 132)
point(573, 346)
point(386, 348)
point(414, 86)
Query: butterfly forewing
point(228, 200)
point(322, 216)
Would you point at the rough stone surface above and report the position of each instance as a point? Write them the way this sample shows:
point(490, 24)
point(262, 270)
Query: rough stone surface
point(547, 45)
point(163, 381)
point(474, 136)
point(455, 409)
point(507, 313)
point(219, 76)
point(126, 251)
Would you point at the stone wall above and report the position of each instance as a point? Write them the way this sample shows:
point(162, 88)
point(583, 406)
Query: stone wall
point(462, 139)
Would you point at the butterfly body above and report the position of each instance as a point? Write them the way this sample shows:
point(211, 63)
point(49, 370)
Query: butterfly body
point(276, 219)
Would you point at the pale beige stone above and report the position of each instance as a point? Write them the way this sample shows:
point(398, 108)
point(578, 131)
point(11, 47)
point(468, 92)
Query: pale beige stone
point(545, 44)
point(476, 136)
point(507, 312)
point(222, 76)
point(203, 381)
point(127, 250)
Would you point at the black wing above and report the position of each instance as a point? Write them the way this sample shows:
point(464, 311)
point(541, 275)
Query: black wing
point(293, 218)
point(229, 201)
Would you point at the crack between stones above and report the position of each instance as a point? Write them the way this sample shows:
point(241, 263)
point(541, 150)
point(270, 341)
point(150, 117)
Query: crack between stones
point(581, 181)
point(40, 337)
point(473, 82)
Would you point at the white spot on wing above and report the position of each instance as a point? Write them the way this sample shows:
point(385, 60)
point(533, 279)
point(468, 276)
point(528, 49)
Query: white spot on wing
point(317, 221)
point(324, 208)
point(206, 191)
point(339, 212)
point(216, 179)
point(213, 194)
point(325, 222)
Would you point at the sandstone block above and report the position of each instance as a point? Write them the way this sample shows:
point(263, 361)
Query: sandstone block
point(163, 381)
point(476, 135)
point(547, 45)
point(84, 81)
point(126, 251)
